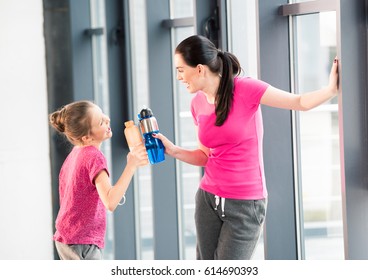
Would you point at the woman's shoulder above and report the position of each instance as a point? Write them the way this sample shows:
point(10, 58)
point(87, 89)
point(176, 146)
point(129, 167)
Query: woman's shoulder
point(249, 84)
point(249, 89)
point(246, 81)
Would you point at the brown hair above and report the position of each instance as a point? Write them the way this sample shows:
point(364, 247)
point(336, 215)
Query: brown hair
point(200, 50)
point(73, 120)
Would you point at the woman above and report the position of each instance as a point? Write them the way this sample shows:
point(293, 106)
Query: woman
point(231, 200)
point(84, 183)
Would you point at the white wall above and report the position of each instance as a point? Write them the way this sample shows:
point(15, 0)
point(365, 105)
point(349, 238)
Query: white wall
point(25, 183)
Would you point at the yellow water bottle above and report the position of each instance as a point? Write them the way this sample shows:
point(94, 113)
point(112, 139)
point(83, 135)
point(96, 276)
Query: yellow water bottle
point(133, 135)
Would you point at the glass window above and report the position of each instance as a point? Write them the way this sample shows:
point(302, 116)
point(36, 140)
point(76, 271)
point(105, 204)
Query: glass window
point(181, 8)
point(101, 97)
point(188, 175)
point(242, 20)
point(142, 179)
point(319, 149)
point(242, 34)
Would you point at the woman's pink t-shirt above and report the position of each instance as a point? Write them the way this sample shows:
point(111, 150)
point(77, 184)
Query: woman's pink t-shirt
point(82, 215)
point(235, 164)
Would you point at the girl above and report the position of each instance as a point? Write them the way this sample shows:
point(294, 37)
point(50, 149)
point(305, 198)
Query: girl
point(84, 185)
point(231, 200)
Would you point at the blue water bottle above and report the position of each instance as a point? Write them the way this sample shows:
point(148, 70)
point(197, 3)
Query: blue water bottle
point(154, 146)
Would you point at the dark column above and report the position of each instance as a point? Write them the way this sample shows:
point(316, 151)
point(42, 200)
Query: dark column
point(281, 227)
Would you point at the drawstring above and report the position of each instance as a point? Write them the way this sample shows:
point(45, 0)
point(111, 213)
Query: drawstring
point(217, 202)
point(223, 206)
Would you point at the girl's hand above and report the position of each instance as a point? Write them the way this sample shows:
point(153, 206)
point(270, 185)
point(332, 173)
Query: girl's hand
point(138, 156)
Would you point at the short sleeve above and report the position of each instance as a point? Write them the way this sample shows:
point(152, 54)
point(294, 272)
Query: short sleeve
point(251, 90)
point(97, 163)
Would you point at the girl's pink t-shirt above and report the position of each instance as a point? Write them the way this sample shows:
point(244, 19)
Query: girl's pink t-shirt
point(82, 215)
point(235, 164)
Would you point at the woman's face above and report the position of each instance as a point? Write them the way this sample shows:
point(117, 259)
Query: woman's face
point(100, 125)
point(187, 74)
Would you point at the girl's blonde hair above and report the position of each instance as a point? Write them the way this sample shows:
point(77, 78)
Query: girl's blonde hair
point(73, 120)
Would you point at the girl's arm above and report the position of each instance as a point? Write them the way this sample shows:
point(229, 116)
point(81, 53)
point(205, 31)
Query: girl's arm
point(281, 99)
point(112, 195)
point(196, 157)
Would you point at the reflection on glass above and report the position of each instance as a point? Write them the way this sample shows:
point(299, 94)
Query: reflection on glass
point(319, 141)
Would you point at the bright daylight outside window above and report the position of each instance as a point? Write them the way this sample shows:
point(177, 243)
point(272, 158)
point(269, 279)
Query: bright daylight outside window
point(319, 140)
point(188, 175)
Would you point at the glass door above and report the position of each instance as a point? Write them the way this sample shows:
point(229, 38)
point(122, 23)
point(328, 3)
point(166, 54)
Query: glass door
point(317, 139)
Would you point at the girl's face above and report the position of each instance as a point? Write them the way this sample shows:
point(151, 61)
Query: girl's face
point(100, 126)
point(187, 74)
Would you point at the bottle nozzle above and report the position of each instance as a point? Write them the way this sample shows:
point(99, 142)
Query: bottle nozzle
point(145, 113)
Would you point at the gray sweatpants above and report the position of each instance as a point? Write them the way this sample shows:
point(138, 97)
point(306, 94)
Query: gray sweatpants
point(78, 251)
point(229, 230)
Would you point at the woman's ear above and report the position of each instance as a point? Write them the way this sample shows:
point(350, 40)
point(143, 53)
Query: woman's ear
point(200, 69)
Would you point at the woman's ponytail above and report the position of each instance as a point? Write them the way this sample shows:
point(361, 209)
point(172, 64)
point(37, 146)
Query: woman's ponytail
point(224, 96)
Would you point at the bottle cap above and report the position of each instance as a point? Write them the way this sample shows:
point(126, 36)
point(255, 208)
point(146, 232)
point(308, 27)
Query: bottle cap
point(129, 123)
point(145, 113)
